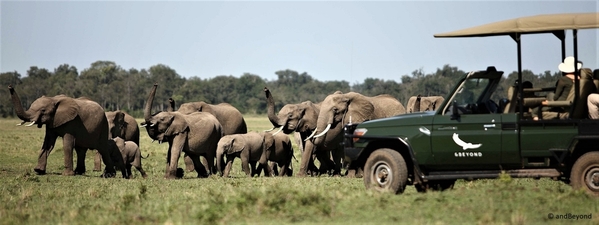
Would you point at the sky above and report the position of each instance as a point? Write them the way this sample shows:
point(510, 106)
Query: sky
point(330, 40)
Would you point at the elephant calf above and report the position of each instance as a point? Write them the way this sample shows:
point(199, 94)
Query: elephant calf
point(130, 153)
point(251, 147)
point(281, 155)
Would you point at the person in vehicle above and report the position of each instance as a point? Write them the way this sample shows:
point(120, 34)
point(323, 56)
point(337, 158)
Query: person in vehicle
point(593, 104)
point(563, 86)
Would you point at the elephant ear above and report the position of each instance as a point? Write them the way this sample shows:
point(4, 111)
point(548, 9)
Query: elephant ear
point(66, 110)
point(237, 145)
point(176, 126)
point(360, 109)
point(269, 141)
point(119, 117)
point(268, 146)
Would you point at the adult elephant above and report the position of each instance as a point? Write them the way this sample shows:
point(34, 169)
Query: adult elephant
point(80, 122)
point(252, 148)
point(120, 124)
point(195, 134)
point(339, 109)
point(421, 104)
point(300, 118)
point(229, 117)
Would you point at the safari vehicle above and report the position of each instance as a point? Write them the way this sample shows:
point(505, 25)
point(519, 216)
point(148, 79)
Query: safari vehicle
point(471, 136)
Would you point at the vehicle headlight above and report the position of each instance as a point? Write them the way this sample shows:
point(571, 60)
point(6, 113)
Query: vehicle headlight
point(358, 133)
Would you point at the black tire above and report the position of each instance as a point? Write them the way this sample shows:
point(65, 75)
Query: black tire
point(585, 173)
point(386, 171)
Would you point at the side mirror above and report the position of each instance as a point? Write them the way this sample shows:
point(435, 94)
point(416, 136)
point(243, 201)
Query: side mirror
point(455, 114)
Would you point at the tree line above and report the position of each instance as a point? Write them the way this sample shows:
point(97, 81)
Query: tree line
point(115, 88)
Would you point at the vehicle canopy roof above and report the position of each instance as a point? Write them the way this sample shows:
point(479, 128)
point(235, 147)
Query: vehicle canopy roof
point(546, 23)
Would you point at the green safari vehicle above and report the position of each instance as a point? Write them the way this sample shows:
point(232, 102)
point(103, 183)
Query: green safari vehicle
point(474, 135)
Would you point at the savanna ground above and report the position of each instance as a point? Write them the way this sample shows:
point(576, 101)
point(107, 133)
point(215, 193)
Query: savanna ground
point(27, 198)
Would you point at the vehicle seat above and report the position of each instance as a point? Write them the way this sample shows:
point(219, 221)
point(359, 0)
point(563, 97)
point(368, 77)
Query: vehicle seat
point(580, 110)
point(512, 97)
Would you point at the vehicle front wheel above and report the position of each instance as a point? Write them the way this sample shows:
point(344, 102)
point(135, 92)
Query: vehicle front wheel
point(585, 173)
point(386, 171)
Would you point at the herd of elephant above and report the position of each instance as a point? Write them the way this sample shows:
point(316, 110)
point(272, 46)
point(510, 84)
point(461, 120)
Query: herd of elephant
point(205, 133)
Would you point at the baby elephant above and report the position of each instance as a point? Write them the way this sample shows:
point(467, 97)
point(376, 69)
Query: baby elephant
point(281, 155)
point(251, 147)
point(130, 153)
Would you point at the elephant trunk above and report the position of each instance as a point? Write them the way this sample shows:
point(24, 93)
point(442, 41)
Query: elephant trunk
point(16, 101)
point(220, 161)
point(270, 109)
point(148, 107)
point(324, 123)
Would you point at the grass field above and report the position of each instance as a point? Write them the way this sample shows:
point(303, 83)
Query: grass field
point(27, 198)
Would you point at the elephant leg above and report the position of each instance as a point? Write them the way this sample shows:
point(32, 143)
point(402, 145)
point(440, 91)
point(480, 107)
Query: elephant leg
point(229, 164)
point(176, 148)
point(326, 164)
point(208, 161)
point(273, 167)
point(245, 166)
point(199, 166)
point(255, 169)
point(81, 152)
point(129, 173)
point(137, 164)
point(68, 142)
point(189, 165)
point(168, 158)
point(338, 155)
point(42, 159)
point(306, 157)
point(97, 161)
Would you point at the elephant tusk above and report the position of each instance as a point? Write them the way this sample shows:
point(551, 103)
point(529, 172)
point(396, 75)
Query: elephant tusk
point(19, 124)
point(144, 125)
point(31, 124)
point(311, 135)
point(324, 132)
point(280, 129)
point(269, 130)
point(151, 125)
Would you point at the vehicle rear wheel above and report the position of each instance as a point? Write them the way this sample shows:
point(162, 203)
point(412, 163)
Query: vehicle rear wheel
point(585, 173)
point(386, 171)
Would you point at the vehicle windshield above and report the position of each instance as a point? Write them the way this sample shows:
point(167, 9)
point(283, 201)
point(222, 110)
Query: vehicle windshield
point(473, 97)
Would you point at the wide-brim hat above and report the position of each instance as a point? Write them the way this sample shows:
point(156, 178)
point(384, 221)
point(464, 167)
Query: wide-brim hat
point(568, 65)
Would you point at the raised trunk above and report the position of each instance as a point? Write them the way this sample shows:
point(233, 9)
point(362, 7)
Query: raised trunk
point(171, 105)
point(148, 107)
point(16, 102)
point(270, 109)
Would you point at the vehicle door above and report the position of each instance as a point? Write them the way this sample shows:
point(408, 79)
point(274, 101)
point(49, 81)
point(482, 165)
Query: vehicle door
point(471, 138)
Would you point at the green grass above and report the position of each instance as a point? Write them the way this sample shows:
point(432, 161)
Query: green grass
point(55, 199)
